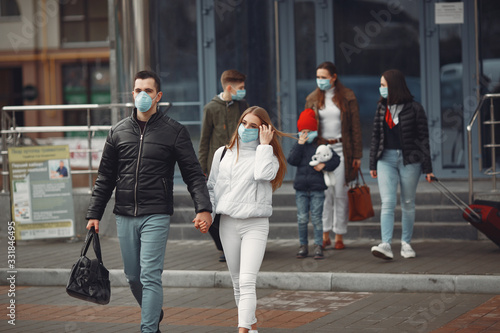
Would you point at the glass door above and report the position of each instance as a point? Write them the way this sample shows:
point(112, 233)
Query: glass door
point(304, 35)
point(450, 83)
point(363, 39)
point(370, 38)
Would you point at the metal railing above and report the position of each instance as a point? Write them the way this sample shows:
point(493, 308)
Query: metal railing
point(493, 145)
point(11, 132)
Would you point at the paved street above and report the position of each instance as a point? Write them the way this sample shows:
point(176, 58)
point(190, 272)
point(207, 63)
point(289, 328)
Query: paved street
point(282, 307)
point(49, 309)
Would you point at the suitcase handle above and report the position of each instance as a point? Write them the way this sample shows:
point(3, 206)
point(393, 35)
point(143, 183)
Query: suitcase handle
point(465, 208)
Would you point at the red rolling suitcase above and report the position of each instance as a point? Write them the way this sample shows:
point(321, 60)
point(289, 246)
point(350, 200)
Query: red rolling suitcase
point(484, 215)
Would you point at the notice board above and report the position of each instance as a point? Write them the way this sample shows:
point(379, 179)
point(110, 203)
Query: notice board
point(41, 192)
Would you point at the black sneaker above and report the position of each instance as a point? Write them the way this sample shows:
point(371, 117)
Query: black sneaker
point(303, 252)
point(318, 252)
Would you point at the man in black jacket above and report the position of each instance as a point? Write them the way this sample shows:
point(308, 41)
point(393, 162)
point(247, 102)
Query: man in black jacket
point(138, 160)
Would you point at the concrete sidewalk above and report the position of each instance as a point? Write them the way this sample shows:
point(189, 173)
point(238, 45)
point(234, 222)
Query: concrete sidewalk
point(450, 266)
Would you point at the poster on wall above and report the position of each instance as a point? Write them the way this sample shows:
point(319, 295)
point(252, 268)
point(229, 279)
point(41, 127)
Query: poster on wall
point(41, 192)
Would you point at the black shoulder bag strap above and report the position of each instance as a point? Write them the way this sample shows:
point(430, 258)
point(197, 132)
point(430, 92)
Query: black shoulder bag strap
point(223, 153)
point(216, 221)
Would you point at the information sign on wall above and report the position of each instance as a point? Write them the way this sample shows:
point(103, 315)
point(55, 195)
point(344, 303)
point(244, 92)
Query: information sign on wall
point(449, 13)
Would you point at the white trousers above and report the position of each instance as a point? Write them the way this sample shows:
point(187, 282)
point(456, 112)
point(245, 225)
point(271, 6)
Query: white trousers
point(244, 242)
point(336, 206)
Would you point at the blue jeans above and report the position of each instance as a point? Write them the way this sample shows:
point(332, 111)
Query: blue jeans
point(310, 201)
point(142, 242)
point(390, 171)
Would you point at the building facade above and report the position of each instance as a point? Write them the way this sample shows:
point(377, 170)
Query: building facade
point(55, 52)
point(75, 51)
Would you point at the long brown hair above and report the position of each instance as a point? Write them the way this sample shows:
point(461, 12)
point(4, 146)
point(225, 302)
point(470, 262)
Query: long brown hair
point(339, 96)
point(278, 152)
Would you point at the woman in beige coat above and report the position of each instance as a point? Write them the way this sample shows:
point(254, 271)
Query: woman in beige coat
point(339, 126)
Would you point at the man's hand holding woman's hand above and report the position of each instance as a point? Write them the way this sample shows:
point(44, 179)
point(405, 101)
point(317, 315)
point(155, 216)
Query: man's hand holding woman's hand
point(203, 221)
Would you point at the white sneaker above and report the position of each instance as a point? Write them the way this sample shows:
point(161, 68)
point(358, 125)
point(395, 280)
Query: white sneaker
point(407, 251)
point(383, 251)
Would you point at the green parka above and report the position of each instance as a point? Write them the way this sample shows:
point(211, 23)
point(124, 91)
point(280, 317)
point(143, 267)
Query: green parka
point(220, 119)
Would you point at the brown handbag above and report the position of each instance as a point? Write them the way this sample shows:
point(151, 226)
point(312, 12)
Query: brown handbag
point(360, 201)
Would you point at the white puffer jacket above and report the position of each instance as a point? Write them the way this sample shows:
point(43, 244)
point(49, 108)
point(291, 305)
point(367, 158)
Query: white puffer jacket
point(240, 185)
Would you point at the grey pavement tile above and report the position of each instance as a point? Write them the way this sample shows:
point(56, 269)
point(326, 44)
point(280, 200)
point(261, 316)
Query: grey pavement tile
point(393, 321)
point(367, 323)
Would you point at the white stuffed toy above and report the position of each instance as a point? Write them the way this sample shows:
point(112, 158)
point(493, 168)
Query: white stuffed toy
point(324, 154)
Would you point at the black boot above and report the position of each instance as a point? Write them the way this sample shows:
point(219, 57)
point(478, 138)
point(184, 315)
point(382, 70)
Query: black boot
point(159, 321)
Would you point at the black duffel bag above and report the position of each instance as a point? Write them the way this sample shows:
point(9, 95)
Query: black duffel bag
point(89, 279)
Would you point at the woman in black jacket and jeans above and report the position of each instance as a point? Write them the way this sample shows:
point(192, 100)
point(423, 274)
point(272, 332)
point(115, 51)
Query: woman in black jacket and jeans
point(399, 152)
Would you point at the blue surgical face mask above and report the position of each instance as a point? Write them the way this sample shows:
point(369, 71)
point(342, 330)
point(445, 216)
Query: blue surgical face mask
point(143, 101)
point(240, 94)
point(323, 84)
point(248, 134)
point(311, 136)
point(384, 92)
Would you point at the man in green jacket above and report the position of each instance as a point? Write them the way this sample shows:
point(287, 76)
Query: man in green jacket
point(220, 118)
point(221, 115)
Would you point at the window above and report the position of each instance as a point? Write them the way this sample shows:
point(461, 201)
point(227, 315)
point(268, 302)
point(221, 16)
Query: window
point(84, 22)
point(372, 37)
point(8, 9)
point(85, 83)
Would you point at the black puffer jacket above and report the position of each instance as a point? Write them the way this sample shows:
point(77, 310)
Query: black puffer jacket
point(141, 167)
point(414, 134)
point(308, 179)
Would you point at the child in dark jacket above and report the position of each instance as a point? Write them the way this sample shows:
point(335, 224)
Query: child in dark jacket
point(309, 183)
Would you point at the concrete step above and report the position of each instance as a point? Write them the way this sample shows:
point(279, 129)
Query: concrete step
point(427, 194)
point(356, 230)
point(435, 216)
point(431, 213)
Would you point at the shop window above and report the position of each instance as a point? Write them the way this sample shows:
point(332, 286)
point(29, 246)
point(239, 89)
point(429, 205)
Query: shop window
point(84, 22)
point(86, 83)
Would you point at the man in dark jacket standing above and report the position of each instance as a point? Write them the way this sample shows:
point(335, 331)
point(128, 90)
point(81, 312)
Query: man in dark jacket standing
point(138, 160)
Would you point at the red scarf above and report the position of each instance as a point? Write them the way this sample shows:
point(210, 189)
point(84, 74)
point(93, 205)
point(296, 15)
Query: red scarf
point(388, 118)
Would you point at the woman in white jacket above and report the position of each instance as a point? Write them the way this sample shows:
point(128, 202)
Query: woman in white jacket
point(241, 186)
